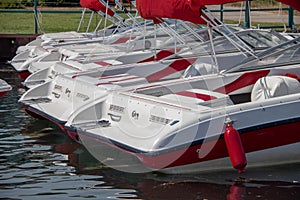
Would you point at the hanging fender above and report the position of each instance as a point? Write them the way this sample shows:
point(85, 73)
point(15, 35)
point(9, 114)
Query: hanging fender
point(235, 148)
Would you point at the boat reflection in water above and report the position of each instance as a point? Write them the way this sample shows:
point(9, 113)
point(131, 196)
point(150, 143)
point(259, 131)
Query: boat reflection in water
point(277, 182)
point(39, 161)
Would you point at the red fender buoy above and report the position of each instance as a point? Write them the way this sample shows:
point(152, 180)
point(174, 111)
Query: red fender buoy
point(235, 148)
point(236, 193)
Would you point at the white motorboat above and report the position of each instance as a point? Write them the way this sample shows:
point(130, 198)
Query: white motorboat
point(187, 124)
point(4, 88)
point(71, 36)
point(257, 40)
point(47, 43)
point(249, 113)
point(86, 86)
point(136, 41)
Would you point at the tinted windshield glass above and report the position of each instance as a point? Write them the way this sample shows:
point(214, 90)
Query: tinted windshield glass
point(282, 54)
point(254, 39)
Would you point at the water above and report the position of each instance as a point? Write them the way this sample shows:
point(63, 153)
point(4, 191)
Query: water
point(37, 161)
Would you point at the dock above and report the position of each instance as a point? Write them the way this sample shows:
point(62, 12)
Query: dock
point(10, 42)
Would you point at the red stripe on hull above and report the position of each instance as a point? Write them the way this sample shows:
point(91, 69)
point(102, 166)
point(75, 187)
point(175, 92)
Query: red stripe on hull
point(123, 40)
point(252, 141)
point(255, 140)
point(160, 55)
point(244, 80)
point(38, 115)
point(177, 65)
point(23, 75)
point(102, 63)
point(73, 134)
point(3, 93)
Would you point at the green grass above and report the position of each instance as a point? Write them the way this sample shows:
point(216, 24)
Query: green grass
point(16, 23)
point(23, 23)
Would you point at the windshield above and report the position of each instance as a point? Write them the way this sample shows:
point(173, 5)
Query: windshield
point(287, 53)
point(254, 39)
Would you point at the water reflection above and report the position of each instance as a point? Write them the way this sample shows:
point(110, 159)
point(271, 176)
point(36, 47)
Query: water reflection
point(39, 162)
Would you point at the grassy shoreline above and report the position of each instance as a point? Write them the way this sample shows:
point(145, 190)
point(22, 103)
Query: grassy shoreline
point(23, 23)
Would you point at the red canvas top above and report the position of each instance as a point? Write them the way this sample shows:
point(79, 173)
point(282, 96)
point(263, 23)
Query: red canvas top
point(96, 5)
point(188, 10)
point(196, 5)
point(293, 3)
point(150, 9)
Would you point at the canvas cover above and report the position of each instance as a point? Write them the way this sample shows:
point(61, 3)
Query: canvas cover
point(188, 10)
point(96, 5)
point(293, 3)
point(274, 86)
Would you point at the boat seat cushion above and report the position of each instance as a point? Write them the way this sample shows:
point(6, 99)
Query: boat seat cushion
point(199, 69)
point(274, 86)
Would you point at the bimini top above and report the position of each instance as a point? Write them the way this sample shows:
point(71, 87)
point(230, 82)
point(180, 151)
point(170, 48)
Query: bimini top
point(293, 3)
point(188, 10)
point(96, 5)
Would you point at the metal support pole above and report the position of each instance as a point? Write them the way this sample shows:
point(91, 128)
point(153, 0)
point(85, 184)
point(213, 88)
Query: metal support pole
point(291, 19)
point(221, 12)
point(35, 16)
point(247, 14)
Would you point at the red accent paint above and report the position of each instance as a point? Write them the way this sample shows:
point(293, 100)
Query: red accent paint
point(40, 115)
point(236, 193)
point(123, 39)
point(177, 65)
point(160, 55)
point(72, 135)
point(253, 141)
point(3, 93)
point(32, 113)
point(235, 148)
point(292, 76)
point(23, 74)
point(102, 63)
point(246, 79)
point(204, 97)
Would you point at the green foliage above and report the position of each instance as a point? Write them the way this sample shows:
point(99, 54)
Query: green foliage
point(11, 4)
point(264, 3)
point(269, 2)
point(16, 4)
point(51, 22)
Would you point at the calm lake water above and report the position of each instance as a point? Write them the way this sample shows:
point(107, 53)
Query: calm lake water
point(37, 161)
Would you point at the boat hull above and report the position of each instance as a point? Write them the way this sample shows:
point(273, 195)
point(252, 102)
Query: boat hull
point(3, 93)
point(4, 88)
point(23, 75)
point(270, 144)
point(40, 115)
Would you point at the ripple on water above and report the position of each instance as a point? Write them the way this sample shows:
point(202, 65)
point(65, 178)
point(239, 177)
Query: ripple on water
point(38, 162)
